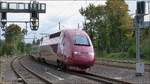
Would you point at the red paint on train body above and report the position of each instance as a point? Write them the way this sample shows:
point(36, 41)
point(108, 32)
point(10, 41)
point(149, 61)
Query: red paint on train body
point(75, 49)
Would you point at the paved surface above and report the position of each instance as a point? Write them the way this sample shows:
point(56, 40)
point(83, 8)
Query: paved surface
point(7, 75)
point(121, 73)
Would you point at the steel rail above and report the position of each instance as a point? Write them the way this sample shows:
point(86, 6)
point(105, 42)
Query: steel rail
point(25, 79)
point(36, 74)
point(99, 78)
point(111, 80)
point(16, 73)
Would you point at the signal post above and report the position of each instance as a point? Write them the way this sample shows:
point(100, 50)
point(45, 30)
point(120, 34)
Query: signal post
point(33, 8)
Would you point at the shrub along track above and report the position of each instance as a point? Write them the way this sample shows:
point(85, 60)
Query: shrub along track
point(120, 64)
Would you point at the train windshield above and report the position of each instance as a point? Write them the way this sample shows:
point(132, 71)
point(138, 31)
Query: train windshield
point(81, 40)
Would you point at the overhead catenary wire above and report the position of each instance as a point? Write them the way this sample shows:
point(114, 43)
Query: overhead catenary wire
point(62, 13)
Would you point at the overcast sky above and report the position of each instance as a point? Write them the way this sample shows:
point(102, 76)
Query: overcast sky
point(67, 12)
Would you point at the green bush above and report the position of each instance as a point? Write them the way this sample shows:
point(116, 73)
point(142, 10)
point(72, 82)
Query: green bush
point(145, 48)
point(118, 55)
point(132, 51)
point(99, 53)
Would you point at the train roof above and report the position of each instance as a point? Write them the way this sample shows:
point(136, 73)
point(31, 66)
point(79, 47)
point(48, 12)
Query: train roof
point(72, 32)
point(67, 31)
point(54, 38)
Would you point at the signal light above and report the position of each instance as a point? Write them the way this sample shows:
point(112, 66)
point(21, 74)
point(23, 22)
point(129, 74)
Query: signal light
point(34, 28)
point(141, 7)
point(3, 22)
point(34, 18)
point(4, 19)
point(34, 24)
point(4, 15)
point(34, 15)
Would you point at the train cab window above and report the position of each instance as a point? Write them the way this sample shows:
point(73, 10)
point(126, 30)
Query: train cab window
point(81, 40)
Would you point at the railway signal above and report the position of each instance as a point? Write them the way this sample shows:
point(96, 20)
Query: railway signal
point(3, 18)
point(140, 13)
point(141, 7)
point(34, 8)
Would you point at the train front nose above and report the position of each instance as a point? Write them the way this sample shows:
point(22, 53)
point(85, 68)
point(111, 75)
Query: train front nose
point(83, 59)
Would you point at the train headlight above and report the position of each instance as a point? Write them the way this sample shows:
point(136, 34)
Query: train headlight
point(76, 53)
point(91, 53)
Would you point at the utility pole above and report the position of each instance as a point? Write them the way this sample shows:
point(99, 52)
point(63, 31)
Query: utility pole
point(0, 39)
point(0, 24)
point(26, 28)
point(59, 25)
point(78, 26)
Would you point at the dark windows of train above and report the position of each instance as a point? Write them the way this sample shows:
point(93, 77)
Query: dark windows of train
point(81, 40)
point(55, 35)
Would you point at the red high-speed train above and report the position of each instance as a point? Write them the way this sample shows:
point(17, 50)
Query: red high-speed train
point(69, 48)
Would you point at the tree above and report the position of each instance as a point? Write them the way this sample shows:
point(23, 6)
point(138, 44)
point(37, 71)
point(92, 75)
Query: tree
point(1, 47)
point(24, 31)
point(119, 24)
point(145, 43)
point(110, 25)
point(13, 38)
point(28, 48)
point(96, 25)
point(33, 42)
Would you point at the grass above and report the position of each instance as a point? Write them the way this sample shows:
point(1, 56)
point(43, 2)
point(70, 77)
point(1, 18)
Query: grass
point(119, 56)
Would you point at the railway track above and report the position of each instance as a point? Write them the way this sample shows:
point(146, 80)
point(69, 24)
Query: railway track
point(98, 78)
point(25, 75)
point(94, 77)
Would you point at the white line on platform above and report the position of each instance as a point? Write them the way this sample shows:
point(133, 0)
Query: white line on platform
point(59, 78)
